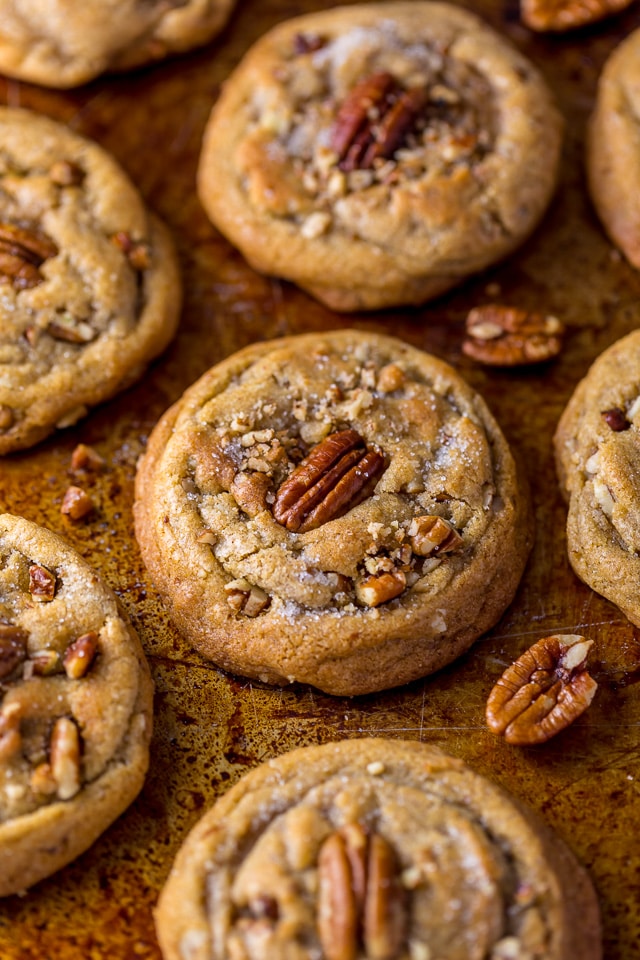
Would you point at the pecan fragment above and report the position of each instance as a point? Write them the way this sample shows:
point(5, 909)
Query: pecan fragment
point(353, 115)
point(71, 330)
point(244, 597)
point(80, 655)
point(42, 583)
point(136, 251)
point(66, 173)
point(339, 473)
point(507, 336)
point(13, 648)
point(431, 534)
point(22, 252)
point(6, 417)
point(360, 899)
point(559, 15)
point(86, 458)
point(380, 588)
point(76, 503)
point(616, 419)
point(64, 749)
point(10, 738)
point(543, 691)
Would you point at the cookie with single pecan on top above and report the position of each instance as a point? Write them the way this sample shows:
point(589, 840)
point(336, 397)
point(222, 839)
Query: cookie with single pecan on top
point(337, 509)
point(75, 705)
point(89, 281)
point(378, 154)
point(373, 849)
point(597, 445)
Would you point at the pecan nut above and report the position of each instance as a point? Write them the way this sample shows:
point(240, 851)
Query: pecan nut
point(507, 336)
point(559, 15)
point(379, 588)
point(13, 648)
point(42, 583)
point(432, 534)
point(22, 253)
point(360, 897)
point(80, 655)
point(543, 692)
point(64, 748)
point(337, 475)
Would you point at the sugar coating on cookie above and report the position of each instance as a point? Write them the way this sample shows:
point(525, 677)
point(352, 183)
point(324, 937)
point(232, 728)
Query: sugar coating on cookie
point(374, 848)
point(89, 282)
point(598, 458)
point(62, 43)
point(75, 705)
point(613, 148)
point(337, 509)
point(378, 154)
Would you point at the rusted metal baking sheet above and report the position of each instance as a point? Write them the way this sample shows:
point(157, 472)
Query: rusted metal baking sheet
point(211, 728)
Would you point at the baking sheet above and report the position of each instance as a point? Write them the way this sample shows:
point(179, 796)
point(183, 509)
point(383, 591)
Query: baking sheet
point(210, 727)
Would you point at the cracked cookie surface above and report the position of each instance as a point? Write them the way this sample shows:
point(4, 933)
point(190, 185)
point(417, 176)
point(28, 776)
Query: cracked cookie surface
point(374, 848)
point(386, 152)
point(60, 43)
point(613, 148)
point(337, 509)
point(75, 705)
point(89, 282)
point(597, 445)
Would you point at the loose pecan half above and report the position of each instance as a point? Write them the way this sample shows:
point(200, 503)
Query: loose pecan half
point(13, 648)
point(543, 691)
point(559, 15)
point(507, 336)
point(42, 583)
point(339, 473)
point(360, 897)
point(22, 252)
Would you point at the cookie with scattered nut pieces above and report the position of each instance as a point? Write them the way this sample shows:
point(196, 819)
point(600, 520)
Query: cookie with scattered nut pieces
point(75, 705)
point(338, 509)
point(373, 848)
point(60, 43)
point(378, 154)
point(89, 281)
point(598, 458)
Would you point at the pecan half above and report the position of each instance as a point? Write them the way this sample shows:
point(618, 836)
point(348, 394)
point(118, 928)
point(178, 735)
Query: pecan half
point(360, 898)
point(507, 336)
point(543, 691)
point(339, 473)
point(13, 648)
point(42, 583)
point(80, 655)
point(22, 252)
point(559, 15)
point(250, 492)
point(616, 419)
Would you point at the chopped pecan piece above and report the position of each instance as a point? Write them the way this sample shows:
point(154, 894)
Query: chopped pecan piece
point(339, 473)
point(380, 588)
point(66, 173)
point(86, 458)
point(80, 655)
point(391, 378)
point(71, 330)
point(250, 492)
point(431, 534)
point(360, 899)
point(307, 43)
point(559, 15)
point(543, 691)
point(76, 503)
point(22, 252)
point(13, 648)
point(44, 663)
point(6, 417)
point(244, 597)
point(42, 780)
point(507, 336)
point(64, 758)
point(136, 252)
point(616, 419)
point(42, 583)
point(10, 738)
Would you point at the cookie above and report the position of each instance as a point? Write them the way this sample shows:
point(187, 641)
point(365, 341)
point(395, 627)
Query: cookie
point(75, 705)
point(89, 281)
point(378, 154)
point(613, 148)
point(374, 848)
point(337, 509)
point(60, 43)
point(598, 457)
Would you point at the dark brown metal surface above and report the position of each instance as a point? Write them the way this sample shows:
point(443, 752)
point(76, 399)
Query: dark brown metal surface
point(211, 728)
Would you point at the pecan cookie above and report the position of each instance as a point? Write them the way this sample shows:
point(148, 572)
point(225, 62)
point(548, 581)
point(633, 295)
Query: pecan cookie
point(613, 148)
point(89, 283)
point(337, 509)
point(598, 457)
point(374, 848)
point(63, 43)
point(378, 154)
point(75, 705)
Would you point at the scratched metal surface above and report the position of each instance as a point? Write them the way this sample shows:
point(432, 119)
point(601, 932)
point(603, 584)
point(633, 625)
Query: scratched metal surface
point(211, 728)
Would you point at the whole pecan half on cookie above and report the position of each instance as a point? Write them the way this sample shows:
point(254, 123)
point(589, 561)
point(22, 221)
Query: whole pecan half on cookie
point(543, 692)
point(338, 473)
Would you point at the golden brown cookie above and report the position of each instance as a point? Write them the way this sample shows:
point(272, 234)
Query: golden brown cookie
point(613, 148)
point(337, 509)
point(89, 281)
point(377, 154)
point(75, 705)
point(598, 458)
point(63, 43)
point(374, 849)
